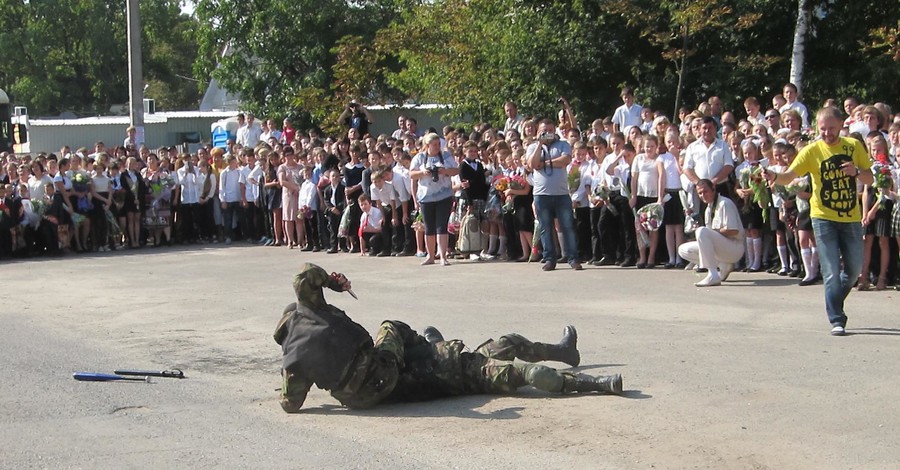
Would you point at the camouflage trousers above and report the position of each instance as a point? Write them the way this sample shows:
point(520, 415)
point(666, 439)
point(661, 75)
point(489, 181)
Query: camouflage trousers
point(445, 369)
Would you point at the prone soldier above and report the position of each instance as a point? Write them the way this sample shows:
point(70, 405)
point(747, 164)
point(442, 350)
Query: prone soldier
point(321, 345)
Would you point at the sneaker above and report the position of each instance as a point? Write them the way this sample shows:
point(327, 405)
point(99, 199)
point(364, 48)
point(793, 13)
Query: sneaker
point(724, 270)
point(474, 257)
point(420, 254)
point(227, 241)
point(838, 330)
point(549, 266)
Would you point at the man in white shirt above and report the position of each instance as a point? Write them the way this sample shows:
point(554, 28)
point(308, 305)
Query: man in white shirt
point(513, 119)
point(629, 114)
point(709, 158)
point(720, 243)
point(248, 135)
point(370, 222)
point(188, 198)
point(403, 186)
point(790, 94)
point(232, 194)
point(401, 127)
point(251, 172)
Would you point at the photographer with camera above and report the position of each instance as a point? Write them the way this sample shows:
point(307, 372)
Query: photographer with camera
point(356, 116)
point(549, 158)
point(432, 169)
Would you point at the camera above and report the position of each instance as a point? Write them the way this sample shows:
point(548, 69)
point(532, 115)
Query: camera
point(547, 137)
point(352, 105)
point(434, 172)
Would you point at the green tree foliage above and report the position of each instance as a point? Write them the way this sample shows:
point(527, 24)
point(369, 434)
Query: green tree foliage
point(280, 55)
point(71, 55)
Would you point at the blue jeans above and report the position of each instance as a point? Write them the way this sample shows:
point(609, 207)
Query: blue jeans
point(838, 241)
point(559, 207)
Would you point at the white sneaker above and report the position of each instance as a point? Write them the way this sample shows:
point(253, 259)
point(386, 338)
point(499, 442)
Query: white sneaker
point(725, 269)
point(838, 330)
point(690, 266)
point(708, 281)
point(474, 257)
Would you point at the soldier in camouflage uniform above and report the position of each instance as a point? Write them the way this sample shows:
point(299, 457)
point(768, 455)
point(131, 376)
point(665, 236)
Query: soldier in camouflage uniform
point(322, 346)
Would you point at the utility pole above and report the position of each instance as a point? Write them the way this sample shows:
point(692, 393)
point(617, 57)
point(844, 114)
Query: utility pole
point(135, 70)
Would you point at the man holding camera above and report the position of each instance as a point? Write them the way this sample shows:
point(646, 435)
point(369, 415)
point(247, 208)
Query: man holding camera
point(549, 157)
point(356, 116)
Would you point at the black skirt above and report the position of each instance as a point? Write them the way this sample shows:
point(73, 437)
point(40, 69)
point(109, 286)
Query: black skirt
point(273, 199)
point(673, 209)
point(752, 216)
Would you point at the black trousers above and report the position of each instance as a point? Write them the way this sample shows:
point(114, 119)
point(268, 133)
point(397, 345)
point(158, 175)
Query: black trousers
point(248, 222)
point(374, 242)
point(312, 230)
point(334, 223)
point(205, 220)
point(387, 229)
point(187, 219)
point(583, 232)
point(596, 237)
point(626, 223)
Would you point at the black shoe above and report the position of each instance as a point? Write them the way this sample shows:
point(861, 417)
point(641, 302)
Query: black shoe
point(628, 263)
point(582, 383)
point(642, 265)
point(566, 351)
point(576, 266)
point(549, 266)
point(317, 249)
point(332, 251)
point(680, 265)
point(307, 248)
point(794, 273)
point(604, 262)
point(382, 255)
point(669, 265)
point(701, 270)
point(432, 335)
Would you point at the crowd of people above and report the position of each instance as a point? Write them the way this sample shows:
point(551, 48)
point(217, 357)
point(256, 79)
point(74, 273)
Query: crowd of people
point(627, 190)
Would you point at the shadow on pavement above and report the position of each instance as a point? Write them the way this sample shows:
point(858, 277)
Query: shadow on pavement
point(458, 407)
point(775, 282)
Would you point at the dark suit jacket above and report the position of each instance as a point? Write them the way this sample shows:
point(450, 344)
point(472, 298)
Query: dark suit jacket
point(340, 200)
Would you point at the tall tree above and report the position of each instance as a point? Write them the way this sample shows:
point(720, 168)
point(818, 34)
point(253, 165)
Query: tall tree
point(70, 55)
point(798, 56)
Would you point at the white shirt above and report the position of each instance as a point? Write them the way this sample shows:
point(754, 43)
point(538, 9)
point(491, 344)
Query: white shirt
point(187, 180)
point(249, 136)
point(37, 187)
point(648, 176)
point(385, 195)
point(707, 162)
point(100, 182)
point(580, 195)
point(673, 177)
point(801, 108)
point(612, 182)
point(625, 116)
point(201, 182)
point(402, 183)
point(371, 219)
point(309, 196)
point(230, 185)
point(514, 123)
point(726, 216)
point(760, 118)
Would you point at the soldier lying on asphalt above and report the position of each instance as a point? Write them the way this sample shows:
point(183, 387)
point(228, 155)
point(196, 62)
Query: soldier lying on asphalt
point(323, 346)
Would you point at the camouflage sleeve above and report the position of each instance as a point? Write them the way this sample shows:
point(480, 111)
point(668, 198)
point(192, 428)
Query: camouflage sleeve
point(308, 284)
point(281, 330)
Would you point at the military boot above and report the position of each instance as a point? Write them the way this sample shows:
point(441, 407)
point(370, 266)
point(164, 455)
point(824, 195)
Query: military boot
point(566, 350)
point(432, 335)
point(611, 384)
point(292, 394)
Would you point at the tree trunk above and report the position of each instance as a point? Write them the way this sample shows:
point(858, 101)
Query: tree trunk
point(797, 57)
point(681, 73)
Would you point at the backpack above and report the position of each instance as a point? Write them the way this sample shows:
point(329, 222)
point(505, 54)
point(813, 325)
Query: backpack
point(469, 239)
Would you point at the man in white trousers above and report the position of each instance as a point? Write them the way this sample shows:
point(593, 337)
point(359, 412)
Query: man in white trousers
point(720, 243)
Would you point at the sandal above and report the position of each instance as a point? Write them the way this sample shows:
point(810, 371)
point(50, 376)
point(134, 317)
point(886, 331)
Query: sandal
point(863, 285)
point(882, 283)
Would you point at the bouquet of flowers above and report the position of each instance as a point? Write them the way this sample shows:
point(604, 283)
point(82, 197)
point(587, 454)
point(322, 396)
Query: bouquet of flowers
point(650, 217)
point(113, 224)
point(515, 182)
point(883, 179)
point(799, 185)
point(81, 182)
point(418, 222)
point(500, 183)
point(601, 193)
point(304, 213)
point(744, 177)
point(574, 178)
point(757, 183)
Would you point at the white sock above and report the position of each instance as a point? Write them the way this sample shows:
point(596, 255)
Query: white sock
point(750, 253)
point(493, 245)
point(757, 253)
point(784, 257)
point(562, 243)
point(502, 248)
point(806, 254)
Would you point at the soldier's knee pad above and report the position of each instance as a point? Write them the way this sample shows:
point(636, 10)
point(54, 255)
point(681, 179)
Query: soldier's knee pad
point(544, 378)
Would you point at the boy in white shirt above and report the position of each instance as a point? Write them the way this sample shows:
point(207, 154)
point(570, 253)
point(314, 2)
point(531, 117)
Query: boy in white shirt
point(384, 196)
point(370, 223)
point(309, 204)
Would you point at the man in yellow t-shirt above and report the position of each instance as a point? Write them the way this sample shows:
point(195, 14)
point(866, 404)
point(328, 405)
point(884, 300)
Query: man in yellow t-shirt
point(834, 163)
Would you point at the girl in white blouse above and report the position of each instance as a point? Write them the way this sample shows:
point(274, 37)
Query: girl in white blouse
point(646, 188)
